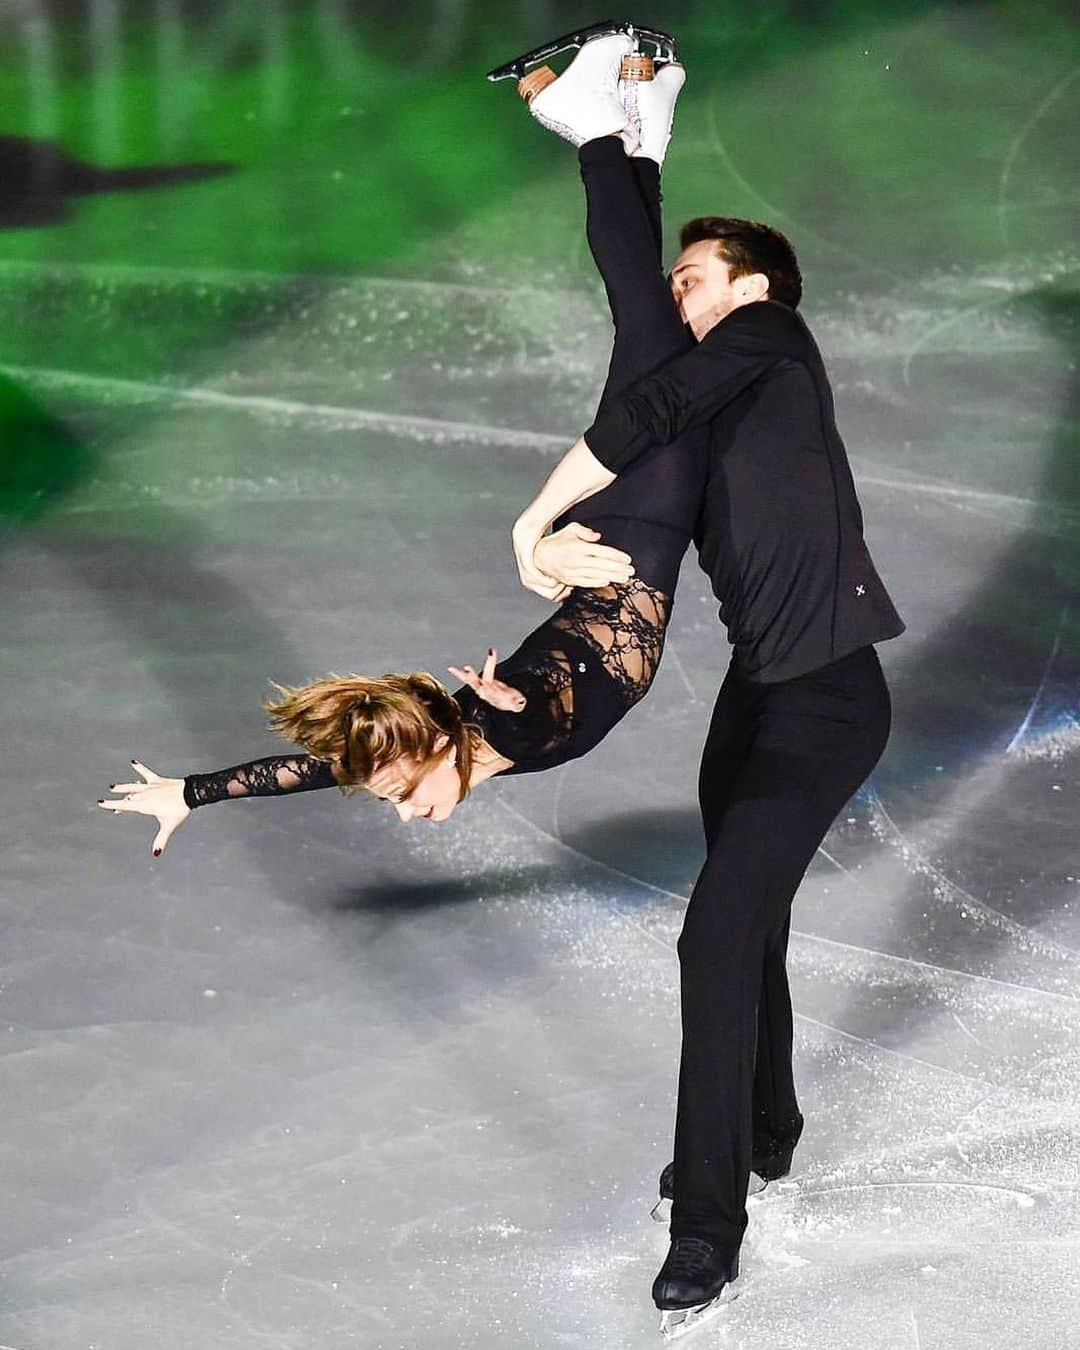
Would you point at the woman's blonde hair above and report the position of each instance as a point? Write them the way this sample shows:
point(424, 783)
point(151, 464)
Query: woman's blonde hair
point(360, 724)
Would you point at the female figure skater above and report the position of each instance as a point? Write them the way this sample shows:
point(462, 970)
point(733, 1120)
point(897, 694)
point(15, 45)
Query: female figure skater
point(407, 738)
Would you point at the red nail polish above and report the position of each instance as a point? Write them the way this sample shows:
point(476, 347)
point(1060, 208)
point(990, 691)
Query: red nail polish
point(157, 853)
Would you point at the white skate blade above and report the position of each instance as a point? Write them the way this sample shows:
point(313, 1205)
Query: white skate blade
point(678, 1322)
point(661, 1211)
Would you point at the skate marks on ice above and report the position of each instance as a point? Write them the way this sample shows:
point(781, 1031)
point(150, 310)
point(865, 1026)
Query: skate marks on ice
point(282, 411)
point(918, 1202)
point(963, 1119)
point(1045, 104)
point(1058, 734)
point(384, 344)
point(314, 485)
point(423, 354)
point(999, 813)
point(1024, 941)
point(898, 982)
point(578, 916)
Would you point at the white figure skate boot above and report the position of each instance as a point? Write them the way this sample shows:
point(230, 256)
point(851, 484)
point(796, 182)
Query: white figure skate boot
point(650, 108)
point(583, 102)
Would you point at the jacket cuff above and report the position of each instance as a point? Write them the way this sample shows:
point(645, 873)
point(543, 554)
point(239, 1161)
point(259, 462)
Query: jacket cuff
point(612, 441)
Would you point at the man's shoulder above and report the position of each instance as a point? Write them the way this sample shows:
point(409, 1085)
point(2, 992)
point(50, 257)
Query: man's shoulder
point(762, 324)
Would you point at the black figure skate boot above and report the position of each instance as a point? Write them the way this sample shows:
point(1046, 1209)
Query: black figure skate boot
point(770, 1160)
point(694, 1283)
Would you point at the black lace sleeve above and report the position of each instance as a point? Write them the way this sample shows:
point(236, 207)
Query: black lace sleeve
point(259, 778)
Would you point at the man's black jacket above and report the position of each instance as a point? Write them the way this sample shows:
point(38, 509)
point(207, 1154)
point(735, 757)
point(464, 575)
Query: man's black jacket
point(780, 532)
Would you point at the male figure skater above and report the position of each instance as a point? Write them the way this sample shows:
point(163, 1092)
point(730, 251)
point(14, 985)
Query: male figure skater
point(803, 713)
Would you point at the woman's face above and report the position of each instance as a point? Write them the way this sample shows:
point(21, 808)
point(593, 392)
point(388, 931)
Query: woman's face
point(435, 795)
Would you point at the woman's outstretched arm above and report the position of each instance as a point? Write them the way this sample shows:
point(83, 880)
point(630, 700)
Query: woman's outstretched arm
point(172, 800)
point(269, 777)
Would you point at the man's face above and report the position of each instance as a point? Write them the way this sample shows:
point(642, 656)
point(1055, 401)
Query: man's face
point(433, 798)
point(703, 289)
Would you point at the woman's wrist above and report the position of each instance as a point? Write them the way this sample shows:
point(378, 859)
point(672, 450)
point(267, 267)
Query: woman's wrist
point(532, 522)
point(577, 475)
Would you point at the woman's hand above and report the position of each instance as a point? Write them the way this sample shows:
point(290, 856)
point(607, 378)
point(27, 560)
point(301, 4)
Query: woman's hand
point(160, 797)
point(493, 691)
point(572, 555)
point(525, 535)
point(551, 565)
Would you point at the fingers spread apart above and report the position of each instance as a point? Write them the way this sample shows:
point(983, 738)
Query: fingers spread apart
point(120, 804)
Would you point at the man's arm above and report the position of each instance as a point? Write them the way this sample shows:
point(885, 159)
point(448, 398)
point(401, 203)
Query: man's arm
point(685, 392)
point(576, 476)
point(694, 386)
point(655, 410)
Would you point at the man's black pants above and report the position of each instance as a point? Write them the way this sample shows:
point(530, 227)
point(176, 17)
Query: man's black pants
point(780, 761)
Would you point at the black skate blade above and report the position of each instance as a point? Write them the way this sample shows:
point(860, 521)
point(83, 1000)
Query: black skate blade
point(515, 69)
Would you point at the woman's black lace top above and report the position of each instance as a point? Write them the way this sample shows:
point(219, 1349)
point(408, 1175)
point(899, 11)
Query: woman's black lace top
point(580, 671)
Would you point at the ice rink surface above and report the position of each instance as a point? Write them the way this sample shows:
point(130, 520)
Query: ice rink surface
point(318, 1079)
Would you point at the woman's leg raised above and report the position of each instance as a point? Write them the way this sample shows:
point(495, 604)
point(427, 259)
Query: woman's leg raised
point(622, 223)
point(649, 511)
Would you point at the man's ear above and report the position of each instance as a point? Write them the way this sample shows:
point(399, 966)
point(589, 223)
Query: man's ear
point(754, 286)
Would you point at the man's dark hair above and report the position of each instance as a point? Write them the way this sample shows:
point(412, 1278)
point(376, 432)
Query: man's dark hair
point(748, 246)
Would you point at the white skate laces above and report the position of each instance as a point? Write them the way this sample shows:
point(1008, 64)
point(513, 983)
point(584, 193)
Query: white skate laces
point(650, 109)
